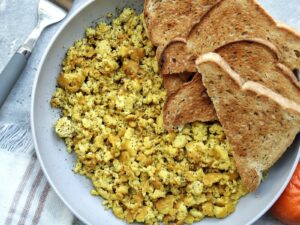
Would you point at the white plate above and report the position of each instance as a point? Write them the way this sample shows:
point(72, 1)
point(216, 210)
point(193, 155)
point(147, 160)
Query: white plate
point(57, 163)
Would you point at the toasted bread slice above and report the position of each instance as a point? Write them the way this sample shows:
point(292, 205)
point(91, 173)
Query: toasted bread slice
point(257, 101)
point(229, 21)
point(168, 19)
point(188, 104)
point(172, 82)
point(245, 19)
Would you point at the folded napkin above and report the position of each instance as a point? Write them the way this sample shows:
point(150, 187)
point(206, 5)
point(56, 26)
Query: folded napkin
point(25, 195)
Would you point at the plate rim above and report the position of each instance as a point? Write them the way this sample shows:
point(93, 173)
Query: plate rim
point(65, 22)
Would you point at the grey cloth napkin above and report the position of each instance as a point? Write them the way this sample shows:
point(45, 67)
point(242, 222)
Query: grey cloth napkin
point(26, 197)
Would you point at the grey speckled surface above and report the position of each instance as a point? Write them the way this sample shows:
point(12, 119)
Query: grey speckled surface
point(18, 17)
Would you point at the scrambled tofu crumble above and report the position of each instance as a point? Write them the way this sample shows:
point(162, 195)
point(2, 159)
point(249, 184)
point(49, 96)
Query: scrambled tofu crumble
point(111, 98)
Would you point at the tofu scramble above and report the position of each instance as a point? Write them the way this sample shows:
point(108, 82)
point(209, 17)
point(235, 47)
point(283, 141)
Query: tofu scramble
point(111, 98)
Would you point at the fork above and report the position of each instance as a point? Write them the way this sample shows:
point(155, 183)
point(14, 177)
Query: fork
point(49, 12)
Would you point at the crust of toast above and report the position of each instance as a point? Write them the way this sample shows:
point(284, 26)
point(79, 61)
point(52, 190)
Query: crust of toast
point(168, 19)
point(188, 104)
point(260, 117)
point(250, 57)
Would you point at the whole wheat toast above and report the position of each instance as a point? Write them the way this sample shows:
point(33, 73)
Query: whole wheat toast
point(257, 101)
point(229, 21)
point(247, 20)
point(234, 53)
point(168, 19)
point(188, 104)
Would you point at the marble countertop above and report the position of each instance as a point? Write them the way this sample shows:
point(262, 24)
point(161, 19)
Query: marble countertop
point(18, 18)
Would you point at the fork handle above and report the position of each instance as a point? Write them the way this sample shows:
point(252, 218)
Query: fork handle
point(15, 66)
point(11, 72)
